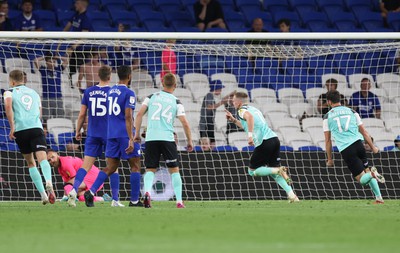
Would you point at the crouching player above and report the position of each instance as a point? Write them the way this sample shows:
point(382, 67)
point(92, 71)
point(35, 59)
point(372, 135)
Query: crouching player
point(67, 167)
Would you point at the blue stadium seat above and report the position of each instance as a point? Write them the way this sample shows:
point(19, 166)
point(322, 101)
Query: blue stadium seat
point(237, 26)
point(166, 5)
point(348, 26)
point(142, 9)
point(355, 5)
point(13, 4)
point(369, 17)
point(48, 18)
point(9, 146)
point(393, 19)
point(216, 30)
point(63, 17)
point(338, 16)
point(314, 17)
point(291, 15)
point(310, 148)
point(388, 148)
point(153, 25)
point(63, 5)
point(322, 4)
point(180, 16)
point(286, 148)
point(320, 26)
point(99, 18)
point(303, 5)
point(111, 2)
point(252, 12)
point(248, 148)
point(197, 149)
point(225, 148)
point(124, 17)
point(274, 6)
point(243, 3)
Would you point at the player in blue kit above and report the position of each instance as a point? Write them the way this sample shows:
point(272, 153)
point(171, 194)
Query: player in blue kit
point(347, 129)
point(23, 110)
point(162, 107)
point(94, 105)
point(265, 160)
point(120, 145)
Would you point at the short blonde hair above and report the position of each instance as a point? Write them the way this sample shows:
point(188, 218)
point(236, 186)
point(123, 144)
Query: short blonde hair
point(169, 80)
point(242, 96)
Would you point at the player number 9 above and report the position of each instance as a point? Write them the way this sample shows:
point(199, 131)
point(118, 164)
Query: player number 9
point(27, 101)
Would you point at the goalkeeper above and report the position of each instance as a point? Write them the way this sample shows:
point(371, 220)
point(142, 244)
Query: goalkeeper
point(67, 167)
point(265, 159)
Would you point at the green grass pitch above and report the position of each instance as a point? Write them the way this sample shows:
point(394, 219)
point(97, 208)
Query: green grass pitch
point(206, 227)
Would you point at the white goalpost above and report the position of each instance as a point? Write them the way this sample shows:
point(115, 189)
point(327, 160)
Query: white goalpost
point(283, 73)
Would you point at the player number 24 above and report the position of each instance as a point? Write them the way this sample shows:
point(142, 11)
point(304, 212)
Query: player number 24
point(165, 113)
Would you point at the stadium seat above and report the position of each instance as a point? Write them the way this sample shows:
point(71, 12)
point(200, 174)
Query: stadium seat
point(225, 4)
point(99, 18)
point(252, 12)
point(342, 81)
point(63, 5)
point(312, 95)
point(329, 3)
point(142, 93)
point(291, 15)
point(393, 125)
point(9, 146)
point(393, 19)
point(124, 17)
point(311, 123)
point(355, 80)
point(66, 138)
point(225, 148)
point(381, 79)
point(276, 5)
point(179, 18)
point(297, 139)
point(274, 108)
point(48, 18)
point(298, 110)
point(142, 80)
point(288, 124)
point(355, 5)
point(286, 148)
point(389, 110)
point(263, 96)
point(166, 5)
point(18, 63)
point(310, 148)
point(248, 148)
point(381, 93)
point(290, 95)
point(388, 148)
point(227, 79)
point(197, 83)
point(370, 123)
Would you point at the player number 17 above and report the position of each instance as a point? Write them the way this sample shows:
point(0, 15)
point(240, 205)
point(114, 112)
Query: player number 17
point(346, 126)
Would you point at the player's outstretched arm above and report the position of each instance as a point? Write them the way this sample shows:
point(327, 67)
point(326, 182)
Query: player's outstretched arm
point(138, 122)
point(328, 148)
point(186, 128)
point(367, 138)
point(79, 123)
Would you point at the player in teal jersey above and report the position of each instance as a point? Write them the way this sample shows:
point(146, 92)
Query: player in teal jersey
point(162, 107)
point(265, 160)
point(346, 128)
point(23, 110)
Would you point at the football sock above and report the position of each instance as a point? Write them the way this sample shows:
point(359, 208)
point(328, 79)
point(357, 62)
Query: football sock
point(262, 171)
point(46, 170)
point(375, 188)
point(135, 186)
point(148, 181)
point(37, 179)
point(114, 184)
point(282, 183)
point(177, 184)
point(95, 198)
point(98, 182)
point(366, 178)
point(80, 175)
point(68, 188)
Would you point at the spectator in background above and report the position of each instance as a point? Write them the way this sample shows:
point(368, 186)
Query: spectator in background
point(46, 4)
point(366, 146)
point(79, 22)
point(208, 13)
point(90, 71)
point(257, 26)
point(28, 21)
point(396, 144)
point(51, 70)
point(364, 102)
point(322, 103)
point(387, 6)
point(208, 109)
point(284, 25)
point(105, 59)
point(168, 59)
point(5, 22)
point(205, 144)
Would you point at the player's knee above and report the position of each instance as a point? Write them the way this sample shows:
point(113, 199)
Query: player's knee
point(251, 172)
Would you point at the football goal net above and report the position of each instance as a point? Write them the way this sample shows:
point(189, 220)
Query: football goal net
point(283, 74)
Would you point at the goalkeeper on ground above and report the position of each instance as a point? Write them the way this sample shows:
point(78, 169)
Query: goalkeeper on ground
point(265, 160)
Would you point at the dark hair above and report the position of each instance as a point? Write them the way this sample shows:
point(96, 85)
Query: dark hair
point(284, 21)
point(365, 79)
point(333, 96)
point(27, 1)
point(104, 73)
point(123, 72)
point(332, 81)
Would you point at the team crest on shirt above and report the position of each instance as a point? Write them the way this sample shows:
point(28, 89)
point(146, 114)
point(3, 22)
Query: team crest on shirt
point(132, 100)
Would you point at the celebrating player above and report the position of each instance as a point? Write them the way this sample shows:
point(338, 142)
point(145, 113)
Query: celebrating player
point(94, 101)
point(120, 144)
point(345, 126)
point(265, 159)
point(67, 167)
point(23, 110)
point(163, 108)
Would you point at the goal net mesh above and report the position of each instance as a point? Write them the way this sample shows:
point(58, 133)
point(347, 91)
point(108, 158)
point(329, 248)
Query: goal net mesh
point(284, 79)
